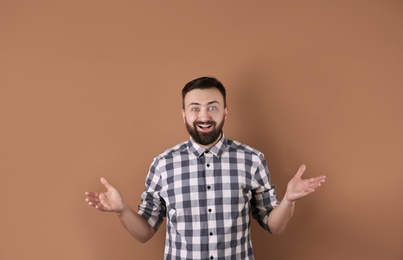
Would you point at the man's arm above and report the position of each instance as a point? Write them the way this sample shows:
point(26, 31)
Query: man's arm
point(112, 201)
point(297, 188)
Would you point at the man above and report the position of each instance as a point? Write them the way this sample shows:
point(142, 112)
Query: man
point(207, 187)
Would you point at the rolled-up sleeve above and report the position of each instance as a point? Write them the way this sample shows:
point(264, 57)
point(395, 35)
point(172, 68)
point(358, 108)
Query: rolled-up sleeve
point(152, 207)
point(264, 195)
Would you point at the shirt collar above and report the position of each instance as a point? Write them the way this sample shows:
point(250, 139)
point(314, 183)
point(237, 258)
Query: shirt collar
point(216, 150)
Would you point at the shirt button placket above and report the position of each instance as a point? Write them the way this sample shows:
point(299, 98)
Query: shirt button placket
point(210, 194)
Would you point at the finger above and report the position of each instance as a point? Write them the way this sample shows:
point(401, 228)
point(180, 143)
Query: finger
point(92, 203)
point(316, 184)
point(106, 184)
point(308, 192)
point(318, 179)
point(300, 171)
point(91, 199)
point(96, 204)
point(100, 207)
point(92, 194)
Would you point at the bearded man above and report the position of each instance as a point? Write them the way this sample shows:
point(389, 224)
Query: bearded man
point(207, 188)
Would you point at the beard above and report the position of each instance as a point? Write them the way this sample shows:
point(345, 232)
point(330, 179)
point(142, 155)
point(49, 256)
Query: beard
point(208, 137)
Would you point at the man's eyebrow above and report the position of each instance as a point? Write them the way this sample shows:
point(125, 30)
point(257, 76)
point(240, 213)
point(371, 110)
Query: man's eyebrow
point(213, 102)
point(208, 103)
point(193, 104)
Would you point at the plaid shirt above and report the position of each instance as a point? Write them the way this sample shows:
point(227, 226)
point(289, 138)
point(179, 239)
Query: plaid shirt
point(208, 198)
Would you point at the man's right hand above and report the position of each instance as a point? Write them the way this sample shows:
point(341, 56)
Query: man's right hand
point(111, 200)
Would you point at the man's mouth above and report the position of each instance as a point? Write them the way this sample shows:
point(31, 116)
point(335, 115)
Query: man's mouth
point(205, 127)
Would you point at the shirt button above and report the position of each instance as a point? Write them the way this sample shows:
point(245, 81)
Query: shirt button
point(211, 257)
point(208, 165)
point(209, 210)
point(208, 187)
point(211, 233)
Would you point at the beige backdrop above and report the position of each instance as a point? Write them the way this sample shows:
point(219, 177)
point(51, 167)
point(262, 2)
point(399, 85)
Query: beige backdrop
point(92, 88)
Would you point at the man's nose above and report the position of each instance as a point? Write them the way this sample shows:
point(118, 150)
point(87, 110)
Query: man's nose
point(204, 113)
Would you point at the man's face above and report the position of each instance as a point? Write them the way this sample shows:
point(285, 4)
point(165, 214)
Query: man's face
point(204, 115)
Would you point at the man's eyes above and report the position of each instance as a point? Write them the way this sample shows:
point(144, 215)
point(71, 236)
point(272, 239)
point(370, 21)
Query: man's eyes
point(196, 109)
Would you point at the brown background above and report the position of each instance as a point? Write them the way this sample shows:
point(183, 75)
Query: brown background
point(92, 88)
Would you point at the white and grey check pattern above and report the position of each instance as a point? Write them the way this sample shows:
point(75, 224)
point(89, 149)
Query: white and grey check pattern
point(208, 198)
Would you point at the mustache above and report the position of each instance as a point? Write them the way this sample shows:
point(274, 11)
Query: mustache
point(208, 122)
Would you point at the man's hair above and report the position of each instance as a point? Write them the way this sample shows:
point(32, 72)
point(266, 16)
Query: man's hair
point(204, 83)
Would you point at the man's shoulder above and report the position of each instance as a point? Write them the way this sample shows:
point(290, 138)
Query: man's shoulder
point(242, 147)
point(177, 149)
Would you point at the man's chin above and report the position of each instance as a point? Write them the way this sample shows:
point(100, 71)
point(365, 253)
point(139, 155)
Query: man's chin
point(205, 132)
point(208, 139)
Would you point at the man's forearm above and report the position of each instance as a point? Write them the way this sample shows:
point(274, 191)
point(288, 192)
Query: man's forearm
point(136, 225)
point(280, 215)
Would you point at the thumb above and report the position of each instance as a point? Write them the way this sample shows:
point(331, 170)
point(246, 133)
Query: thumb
point(106, 184)
point(300, 171)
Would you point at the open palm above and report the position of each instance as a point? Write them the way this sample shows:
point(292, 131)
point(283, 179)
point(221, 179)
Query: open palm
point(298, 188)
point(111, 200)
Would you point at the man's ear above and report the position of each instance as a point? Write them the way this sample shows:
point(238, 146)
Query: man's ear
point(226, 112)
point(183, 116)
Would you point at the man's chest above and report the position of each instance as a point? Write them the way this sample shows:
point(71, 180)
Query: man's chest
point(199, 181)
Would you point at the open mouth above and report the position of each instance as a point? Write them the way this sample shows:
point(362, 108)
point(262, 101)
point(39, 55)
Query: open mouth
point(205, 127)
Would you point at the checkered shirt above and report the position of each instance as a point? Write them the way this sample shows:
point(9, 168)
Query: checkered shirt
point(207, 198)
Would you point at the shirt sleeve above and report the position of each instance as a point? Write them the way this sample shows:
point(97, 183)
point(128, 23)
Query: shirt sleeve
point(264, 195)
point(152, 207)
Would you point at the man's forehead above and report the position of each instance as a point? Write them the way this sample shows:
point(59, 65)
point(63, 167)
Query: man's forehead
point(204, 96)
